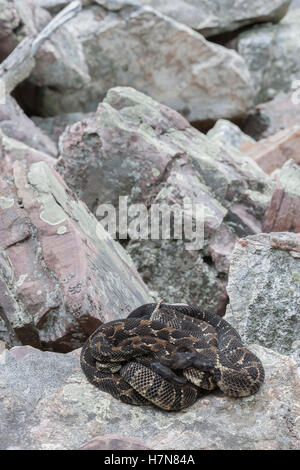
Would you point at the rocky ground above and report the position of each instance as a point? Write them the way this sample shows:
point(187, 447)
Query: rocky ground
point(156, 102)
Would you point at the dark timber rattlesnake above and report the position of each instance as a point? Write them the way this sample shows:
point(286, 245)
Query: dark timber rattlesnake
point(167, 355)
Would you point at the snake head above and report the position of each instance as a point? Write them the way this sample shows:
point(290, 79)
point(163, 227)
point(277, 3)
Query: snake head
point(203, 363)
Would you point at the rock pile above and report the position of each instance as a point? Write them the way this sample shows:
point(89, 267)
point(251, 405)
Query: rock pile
point(120, 97)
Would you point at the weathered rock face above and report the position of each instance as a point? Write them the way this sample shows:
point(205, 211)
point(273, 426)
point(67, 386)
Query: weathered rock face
point(12, 150)
point(269, 118)
point(9, 20)
point(61, 275)
point(54, 126)
point(271, 153)
point(138, 148)
point(264, 290)
point(211, 17)
point(114, 442)
point(202, 80)
point(61, 410)
point(272, 55)
point(15, 124)
point(227, 133)
point(283, 214)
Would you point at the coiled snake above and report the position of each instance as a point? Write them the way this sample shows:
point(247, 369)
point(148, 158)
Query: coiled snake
point(167, 355)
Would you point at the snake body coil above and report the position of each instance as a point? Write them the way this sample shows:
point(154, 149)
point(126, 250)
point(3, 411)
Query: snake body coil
point(167, 355)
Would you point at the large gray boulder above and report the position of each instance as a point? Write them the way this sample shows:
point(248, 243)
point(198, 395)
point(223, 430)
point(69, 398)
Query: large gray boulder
point(211, 17)
point(138, 148)
point(61, 275)
point(272, 54)
point(264, 290)
point(46, 403)
point(139, 47)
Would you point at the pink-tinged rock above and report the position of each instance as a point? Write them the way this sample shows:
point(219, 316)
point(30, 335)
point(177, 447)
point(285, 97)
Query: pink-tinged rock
point(12, 150)
point(273, 116)
point(114, 442)
point(271, 153)
point(222, 247)
point(283, 213)
point(15, 124)
point(61, 274)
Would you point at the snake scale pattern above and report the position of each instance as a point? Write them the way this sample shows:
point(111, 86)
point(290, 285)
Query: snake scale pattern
point(168, 355)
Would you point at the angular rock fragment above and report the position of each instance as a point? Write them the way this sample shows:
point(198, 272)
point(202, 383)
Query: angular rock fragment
point(59, 60)
point(61, 274)
point(61, 410)
point(15, 124)
point(227, 133)
point(264, 290)
point(269, 118)
point(12, 150)
point(272, 54)
point(271, 153)
point(283, 214)
point(139, 47)
point(211, 17)
point(9, 21)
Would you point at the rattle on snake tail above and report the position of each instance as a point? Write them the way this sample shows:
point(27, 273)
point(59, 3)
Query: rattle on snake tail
point(167, 355)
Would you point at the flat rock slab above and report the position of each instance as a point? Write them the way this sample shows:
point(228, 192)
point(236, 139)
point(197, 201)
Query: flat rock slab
point(47, 403)
point(264, 290)
point(211, 17)
point(61, 274)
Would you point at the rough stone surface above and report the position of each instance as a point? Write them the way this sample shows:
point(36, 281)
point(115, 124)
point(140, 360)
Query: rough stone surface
point(202, 80)
point(114, 442)
point(59, 60)
point(15, 124)
point(9, 20)
point(47, 403)
point(272, 54)
point(271, 153)
point(228, 133)
point(54, 126)
point(211, 17)
point(269, 118)
point(155, 156)
point(283, 214)
point(264, 290)
point(61, 275)
point(12, 150)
